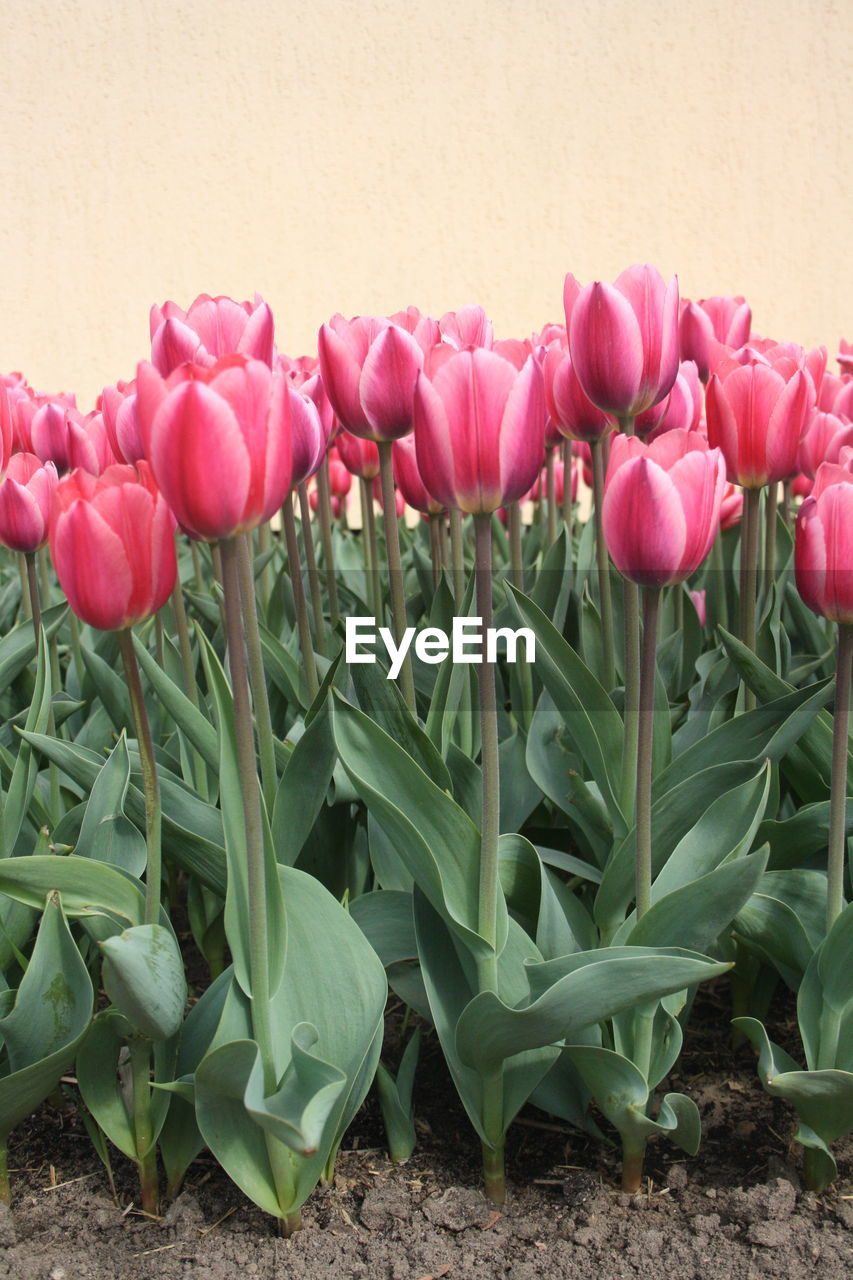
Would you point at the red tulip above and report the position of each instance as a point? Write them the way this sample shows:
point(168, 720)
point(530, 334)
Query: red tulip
point(211, 329)
point(26, 495)
point(113, 545)
point(408, 478)
point(399, 500)
point(705, 324)
point(623, 339)
point(340, 480)
point(479, 430)
point(756, 414)
point(369, 367)
point(219, 442)
point(661, 508)
point(823, 552)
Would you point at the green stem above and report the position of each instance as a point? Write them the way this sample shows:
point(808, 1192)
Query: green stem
point(750, 530)
point(633, 1155)
point(720, 582)
point(568, 514)
point(150, 780)
point(771, 498)
point(435, 549)
point(190, 686)
point(551, 484)
point(516, 563)
point(252, 820)
point(787, 502)
point(140, 1063)
point(311, 566)
point(5, 1189)
point(35, 608)
point(302, 624)
point(34, 593)
point(257, 677)
point(324, 511)
point(197, 569)
point(631, 615)
point(395, 568)
point(645, 740)
point(26, 604)
point(457, 554)
point(603, 563)
point(264, 545)
point(838, 783)
point(371, 548)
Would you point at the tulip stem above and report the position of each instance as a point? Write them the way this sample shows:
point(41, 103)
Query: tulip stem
point(457, 555)
point(303, 626)
point(551, 486)
point(516, 562)
point(34, 593)
point(188, 668)
point(324, 510)
point(395, 567)
point(311, 566)
point(26, 602)
point(487, 968)
point(838, 783)
point(264, 548)
point(198, 572)
point(252, 819)
point(371, 548)
point(257, 678)
point(645, 742)
point(568, 515)
point(150, 781)
point(603, 562)
point(435, 548)
point(146, 1147)
point(750, 530)
point(772, 500)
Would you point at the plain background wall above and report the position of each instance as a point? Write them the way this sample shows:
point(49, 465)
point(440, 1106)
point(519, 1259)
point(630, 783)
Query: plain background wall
point(361, 156)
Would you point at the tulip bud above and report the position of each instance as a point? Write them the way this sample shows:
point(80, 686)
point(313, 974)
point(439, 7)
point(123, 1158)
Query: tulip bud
point(210, 329)
point(823, 551)
point(26, 496)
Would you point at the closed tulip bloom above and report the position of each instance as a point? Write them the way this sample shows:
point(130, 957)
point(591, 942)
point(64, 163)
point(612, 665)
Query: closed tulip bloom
point(369, 367)
point(424, 329)
point(756, 414)
point(568, 407)
point(359, 456)
point(705, 324)
point(308, 439)
point(26, 495)
point(210, 329)
point(121, 420)
point(661, 508)
point(219, 442)
point(467, 327)
point(826, 435)
point(823, 551)
point(623, 339)
point(731, 507)
point(113, 545)
point(408, 478)
point(340, 480)
point(479, 430)
point(681, 410)
point(62, 435)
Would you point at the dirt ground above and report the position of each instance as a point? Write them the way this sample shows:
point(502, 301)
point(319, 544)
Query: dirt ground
point(735, 1211)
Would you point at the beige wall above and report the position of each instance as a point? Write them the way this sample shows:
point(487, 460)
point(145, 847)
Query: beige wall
point(361, 156)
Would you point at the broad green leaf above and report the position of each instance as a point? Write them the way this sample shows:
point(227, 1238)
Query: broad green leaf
point(49, 1016)
point(189, 718)
point(591, 719)
point(385, 918)
point(17, 800)
point(143, 976)
point(835, 962)
point(380, 699)
point(87, 888)
point(395, 1101)
point(302, 790)
point(111, 689)
point(622, 1093)
point(106, 834)
point(434, 837)
point(18, 648)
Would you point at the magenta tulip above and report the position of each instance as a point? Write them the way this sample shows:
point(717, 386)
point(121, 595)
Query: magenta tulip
point(573, 412)
point(756, 414)
point(63, 436)
point(113, 545)
point(479, 430)
point(623, 339)
point(706, 324)
point(359, 456)
point(210, 329)
point(26, 495)
point(661, 508)
point(369, 367)
point(823, 552)
point(219, 442)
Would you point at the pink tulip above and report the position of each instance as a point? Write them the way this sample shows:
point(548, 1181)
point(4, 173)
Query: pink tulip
point(113, 545)
point(210, 329)
point(568, 407)
point(308, 440)
point(823, 551)
point(705, 324)
point(359, 456)
point(661, 508)
point(479, 430)
point(340, 480)
point(731, 507)
point(700, 604)
point(369, 367)
point(121, 420)
point(219, 442)
point(26, 495)
point(845, 356)
point(7, 431)
point(408, 478)
point(540, 488)
point(425, 330)
point(623, 339)
point(681, 410)
point(468, 327)
point(62, 435)
point(756, 414)
point(825, 437)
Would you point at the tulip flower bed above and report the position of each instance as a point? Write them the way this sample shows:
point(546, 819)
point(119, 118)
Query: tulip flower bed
point(560, 782)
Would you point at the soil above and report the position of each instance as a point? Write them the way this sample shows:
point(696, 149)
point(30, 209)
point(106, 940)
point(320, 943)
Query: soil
point(735, 1211)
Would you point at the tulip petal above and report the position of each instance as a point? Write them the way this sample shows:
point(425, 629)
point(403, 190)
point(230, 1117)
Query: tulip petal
point(387, 382)
point(92, 566)
point(606, 347)
point(644, 523)
point(522, 432)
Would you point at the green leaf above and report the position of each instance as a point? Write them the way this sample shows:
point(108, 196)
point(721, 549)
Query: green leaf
point(835, 962)
point(395, 1101)
point(88, 888)
point(433, 836)
point(18, 648)
point(593, 723)
point(302, 790)
point(50, 1014)
point(187, 717)
point(16, 802)
point(385, 918)
point(110, 687)
point(106, 834)
point(143, 975)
